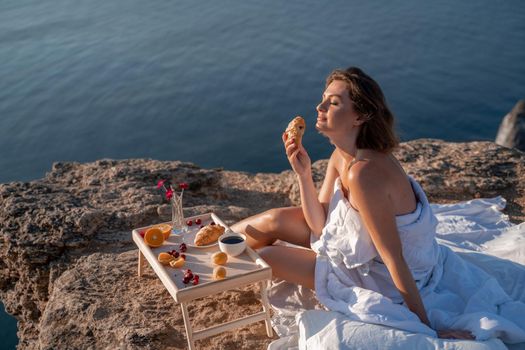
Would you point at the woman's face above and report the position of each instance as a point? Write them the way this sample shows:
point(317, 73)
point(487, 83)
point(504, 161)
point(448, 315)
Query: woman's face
point(335, 113)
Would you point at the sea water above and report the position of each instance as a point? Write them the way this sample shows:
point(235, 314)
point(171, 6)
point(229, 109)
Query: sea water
point(216, 82)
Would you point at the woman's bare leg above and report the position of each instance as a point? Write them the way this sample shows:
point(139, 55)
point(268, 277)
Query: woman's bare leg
point(286, 224)
point(294, 265)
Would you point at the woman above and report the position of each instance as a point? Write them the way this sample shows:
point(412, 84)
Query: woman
point(365, 196)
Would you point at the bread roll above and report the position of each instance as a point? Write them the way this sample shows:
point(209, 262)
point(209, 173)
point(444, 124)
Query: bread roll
point(219, 258)
point(296, 129)
point(219, 273)
point(208, 234)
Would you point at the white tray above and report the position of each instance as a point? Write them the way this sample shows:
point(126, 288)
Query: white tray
point(241, 270)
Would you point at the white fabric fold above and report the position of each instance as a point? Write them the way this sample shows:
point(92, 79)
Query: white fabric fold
point(461, 286)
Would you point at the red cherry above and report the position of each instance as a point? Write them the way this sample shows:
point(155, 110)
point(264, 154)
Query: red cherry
point(195, 280)
point(185, 280)
point(176, 254)
point(198, 221)
point(189, 222)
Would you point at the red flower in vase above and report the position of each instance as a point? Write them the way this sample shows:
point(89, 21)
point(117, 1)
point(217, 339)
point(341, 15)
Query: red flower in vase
point(166, 186)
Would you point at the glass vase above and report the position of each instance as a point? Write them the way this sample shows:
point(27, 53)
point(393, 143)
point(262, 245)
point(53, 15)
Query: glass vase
point(177, 217)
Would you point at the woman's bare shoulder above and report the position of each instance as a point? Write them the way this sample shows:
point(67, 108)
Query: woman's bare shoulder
point(383, 177)
point(365, 174)
point(370, 167)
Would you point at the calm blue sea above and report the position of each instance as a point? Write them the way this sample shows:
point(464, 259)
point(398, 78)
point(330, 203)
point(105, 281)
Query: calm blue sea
point(215, 82)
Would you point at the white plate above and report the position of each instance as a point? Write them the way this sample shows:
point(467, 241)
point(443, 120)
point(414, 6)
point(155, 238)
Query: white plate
point(189, 236)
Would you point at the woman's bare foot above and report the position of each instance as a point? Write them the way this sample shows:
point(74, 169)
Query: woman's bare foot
point(455, 334)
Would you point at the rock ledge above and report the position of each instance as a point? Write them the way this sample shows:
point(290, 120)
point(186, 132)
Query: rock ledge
point(68, 266)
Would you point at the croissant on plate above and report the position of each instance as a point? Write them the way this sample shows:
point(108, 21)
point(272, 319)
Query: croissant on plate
point(208, 234)
point(296, 129)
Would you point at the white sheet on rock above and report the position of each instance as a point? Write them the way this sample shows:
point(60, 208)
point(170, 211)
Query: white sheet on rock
point(480, 235)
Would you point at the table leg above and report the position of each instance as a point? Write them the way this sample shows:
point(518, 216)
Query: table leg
point(141, 264)
point(187, 325)
point(266, 308)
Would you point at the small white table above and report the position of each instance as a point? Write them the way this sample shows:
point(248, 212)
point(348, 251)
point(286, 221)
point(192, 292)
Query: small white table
point(244, 269)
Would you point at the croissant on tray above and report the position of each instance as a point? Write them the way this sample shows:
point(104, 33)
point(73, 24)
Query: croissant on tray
point(296, 129)
point(208, 234)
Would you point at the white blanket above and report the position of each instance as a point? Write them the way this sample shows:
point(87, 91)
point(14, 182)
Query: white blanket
point(480, 235)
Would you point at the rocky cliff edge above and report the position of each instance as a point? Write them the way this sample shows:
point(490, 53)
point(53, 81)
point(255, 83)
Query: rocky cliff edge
point(68, 265)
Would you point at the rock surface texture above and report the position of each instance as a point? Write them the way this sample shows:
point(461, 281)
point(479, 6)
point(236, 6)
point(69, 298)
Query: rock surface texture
point(511, 131)
point(68, 265)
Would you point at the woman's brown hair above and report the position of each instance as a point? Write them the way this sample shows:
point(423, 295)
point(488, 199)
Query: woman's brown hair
point(377, 131)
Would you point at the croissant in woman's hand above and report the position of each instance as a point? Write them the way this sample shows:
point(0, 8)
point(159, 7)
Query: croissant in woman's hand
point(297, 155)
point(296, 130)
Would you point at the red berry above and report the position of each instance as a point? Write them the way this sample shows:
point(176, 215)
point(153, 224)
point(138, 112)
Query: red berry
point(198, 221)
point(142, 233)
point(186, 280)
point(195, 280)
point(182, 256)
point(176, 254)
point(183, 247)
point(189, 276)
point(189, 222)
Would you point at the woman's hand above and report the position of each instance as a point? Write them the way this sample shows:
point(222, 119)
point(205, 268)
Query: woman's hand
point(455, 334)
point(297, 156)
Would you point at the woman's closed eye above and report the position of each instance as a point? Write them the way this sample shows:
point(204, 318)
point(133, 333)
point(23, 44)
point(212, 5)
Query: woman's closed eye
point(332, 102)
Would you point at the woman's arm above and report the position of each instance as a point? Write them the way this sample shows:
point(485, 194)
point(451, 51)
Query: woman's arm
point(367, 188)
point(313, 210)
point(376, 208)
point(327, 189)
